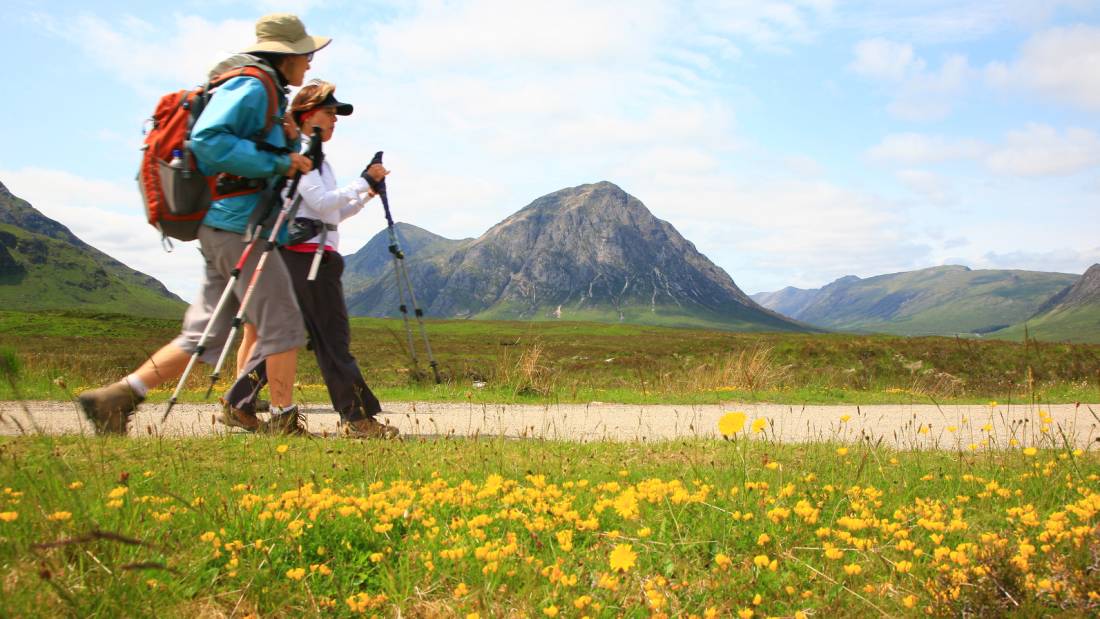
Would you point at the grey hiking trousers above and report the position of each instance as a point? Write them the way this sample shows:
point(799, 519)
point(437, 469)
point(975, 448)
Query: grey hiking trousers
point(273, 309)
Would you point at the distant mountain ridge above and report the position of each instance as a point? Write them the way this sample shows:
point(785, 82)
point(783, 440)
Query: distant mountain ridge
point(43, 265)
point(942, 300)
point(591, 252)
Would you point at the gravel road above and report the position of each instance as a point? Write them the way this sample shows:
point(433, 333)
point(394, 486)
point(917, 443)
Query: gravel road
point(898, 425)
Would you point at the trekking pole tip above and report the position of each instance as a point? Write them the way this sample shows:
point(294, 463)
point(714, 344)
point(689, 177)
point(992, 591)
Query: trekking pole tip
point(168, 410)
point(210, 389)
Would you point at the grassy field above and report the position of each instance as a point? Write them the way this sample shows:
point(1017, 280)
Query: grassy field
point(248, 526)
point(59, 353)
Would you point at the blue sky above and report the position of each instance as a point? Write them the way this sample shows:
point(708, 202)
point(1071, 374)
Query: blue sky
point(793, 142)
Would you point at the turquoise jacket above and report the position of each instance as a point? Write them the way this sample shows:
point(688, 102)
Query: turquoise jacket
point(221, 142)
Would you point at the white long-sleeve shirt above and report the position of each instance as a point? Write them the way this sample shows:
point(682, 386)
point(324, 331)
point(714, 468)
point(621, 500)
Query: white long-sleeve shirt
point(323, 200)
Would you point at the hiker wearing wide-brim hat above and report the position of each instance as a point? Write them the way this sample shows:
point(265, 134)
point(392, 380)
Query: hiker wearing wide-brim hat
point(283, 33)
point(312, 256)
point(235, 138)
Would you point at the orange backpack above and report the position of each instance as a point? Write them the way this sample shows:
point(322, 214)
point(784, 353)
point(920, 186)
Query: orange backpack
point(175, 193)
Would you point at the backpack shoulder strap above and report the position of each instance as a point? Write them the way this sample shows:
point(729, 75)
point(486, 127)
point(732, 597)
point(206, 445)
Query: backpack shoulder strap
point(266, 78)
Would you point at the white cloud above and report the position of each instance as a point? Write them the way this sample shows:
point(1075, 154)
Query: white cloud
point(570, 32)
point(919, 94)
point(1060, 63)
point(110, 217)
point(929, 185)
point(930, 95)
point(880, 58)
point(1040, 150)
point(939, 21)
point(148, 58)
point(772, 25)
point(921, 149)
point(785, 228)
point(1064, 260)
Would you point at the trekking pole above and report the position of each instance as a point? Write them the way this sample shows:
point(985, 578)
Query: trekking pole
point(284, 214)
point(234, 275)
point(201, 348)
point(402, 275)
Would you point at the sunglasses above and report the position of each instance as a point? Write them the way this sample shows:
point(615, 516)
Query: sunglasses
point(309, 57)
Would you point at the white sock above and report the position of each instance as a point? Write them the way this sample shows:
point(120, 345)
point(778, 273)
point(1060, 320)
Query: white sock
point(279, 410)
point(137, 385)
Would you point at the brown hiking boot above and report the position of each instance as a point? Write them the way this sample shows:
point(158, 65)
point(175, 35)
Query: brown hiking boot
point(370, 427)
point(110, 408)
point(236, 418)
point(289, 421)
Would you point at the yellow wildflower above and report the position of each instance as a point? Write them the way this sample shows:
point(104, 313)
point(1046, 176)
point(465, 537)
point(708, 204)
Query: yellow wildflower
point(58, 516)
point(759, 424)
point(841, 451)
point(296, 573)
point(9, 516)
point(723, 561)
point(282, 448)
point(731, 423)
point(623, 558)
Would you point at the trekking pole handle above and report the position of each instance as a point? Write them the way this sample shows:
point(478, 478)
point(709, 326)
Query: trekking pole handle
point(315, 157)
point(379, 187)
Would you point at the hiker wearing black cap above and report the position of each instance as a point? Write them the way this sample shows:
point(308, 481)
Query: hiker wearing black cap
point(229, 138)
point(313, 250)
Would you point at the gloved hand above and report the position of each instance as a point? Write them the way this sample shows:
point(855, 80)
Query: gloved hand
point(374, 173)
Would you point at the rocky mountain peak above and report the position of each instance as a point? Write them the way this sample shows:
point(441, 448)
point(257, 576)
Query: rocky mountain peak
point(1085, 291)
point(587, 252)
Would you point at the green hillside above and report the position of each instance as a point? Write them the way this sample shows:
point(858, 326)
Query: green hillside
point(936, 301)
point(44, 266)
point(1072, 315)
point(1074, 324)
point(735, 319)
point(39, 273)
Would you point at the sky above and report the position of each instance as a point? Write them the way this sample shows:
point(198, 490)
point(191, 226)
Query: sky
point(792, 141)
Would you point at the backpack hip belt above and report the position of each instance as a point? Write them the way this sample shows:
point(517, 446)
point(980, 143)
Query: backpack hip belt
point(229, 185)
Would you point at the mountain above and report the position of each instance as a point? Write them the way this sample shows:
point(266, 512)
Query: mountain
point(941, 300)
point(1072, 315)
point(370, 270)
point(591, 252)
point(45, 266)
point(791, 301)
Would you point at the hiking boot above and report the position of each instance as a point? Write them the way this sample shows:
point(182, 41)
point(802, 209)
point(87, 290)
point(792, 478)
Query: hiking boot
point(370, 427)
point(236, 418)
point(110, 408)
point(263, 406)
point(288, 421)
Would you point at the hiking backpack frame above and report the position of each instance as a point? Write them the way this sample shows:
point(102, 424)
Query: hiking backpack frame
point(177, 196)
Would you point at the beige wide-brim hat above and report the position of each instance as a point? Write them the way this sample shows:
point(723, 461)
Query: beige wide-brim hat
point(283, 33)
